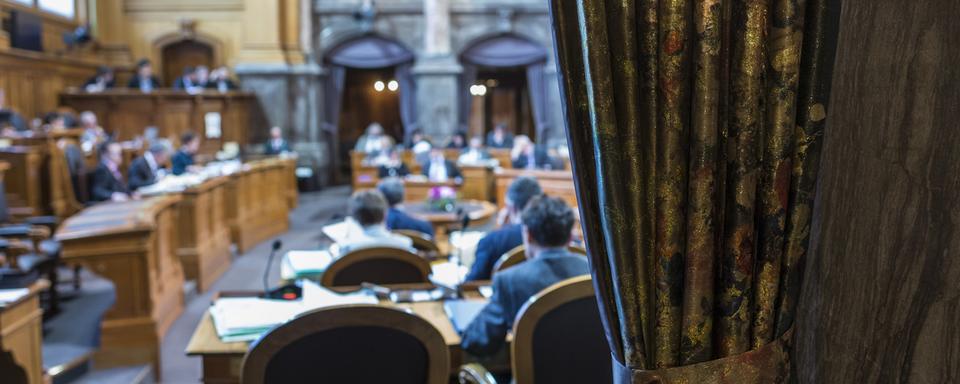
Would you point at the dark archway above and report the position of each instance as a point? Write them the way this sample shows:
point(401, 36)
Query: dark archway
point(516, 64)
point(354, 65)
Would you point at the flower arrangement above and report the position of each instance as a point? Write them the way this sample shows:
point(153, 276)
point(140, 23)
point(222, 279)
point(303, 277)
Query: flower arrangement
point(442, 199)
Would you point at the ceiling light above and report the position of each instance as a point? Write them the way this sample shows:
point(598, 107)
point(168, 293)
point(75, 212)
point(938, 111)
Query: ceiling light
point(378, 86)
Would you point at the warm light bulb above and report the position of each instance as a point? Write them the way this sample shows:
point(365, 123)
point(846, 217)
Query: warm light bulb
point(481, 90)
point(393, 85)
point(378, 86)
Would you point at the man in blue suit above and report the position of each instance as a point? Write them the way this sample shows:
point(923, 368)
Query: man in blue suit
point(183, 159)
point(392, 189)
point(509, 236)
point(547, 223)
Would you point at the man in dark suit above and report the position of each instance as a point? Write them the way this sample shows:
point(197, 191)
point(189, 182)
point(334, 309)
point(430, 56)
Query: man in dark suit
point(509, 236)
point(439, 169)
point(547, 223)
point(106, 183)
point(499, 137)
point(535, 156)
point(148, 169)
point(183, 159)
point(392, 189)
point(187, 81)
point(277, 144)
point(103, 80)
point(144, 80)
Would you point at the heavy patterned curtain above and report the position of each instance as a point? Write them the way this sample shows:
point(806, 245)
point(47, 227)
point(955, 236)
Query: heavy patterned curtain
point(695, 129)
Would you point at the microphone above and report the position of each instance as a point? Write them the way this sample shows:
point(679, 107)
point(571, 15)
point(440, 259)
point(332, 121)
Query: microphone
point(464, 219)
point(277, 244)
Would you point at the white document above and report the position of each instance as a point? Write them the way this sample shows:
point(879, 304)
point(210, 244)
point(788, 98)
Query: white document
point(343, 231)
point(448, 274)
point(314, 296)
point(11, 295)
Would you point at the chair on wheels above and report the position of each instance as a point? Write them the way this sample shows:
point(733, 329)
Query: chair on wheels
point(557, 338)
point(350, 344)
point(377, 265)
point(518, 255)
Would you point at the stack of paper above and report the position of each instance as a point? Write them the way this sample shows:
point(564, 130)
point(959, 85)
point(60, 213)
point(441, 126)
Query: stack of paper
point(448, 274)
point(343, 231)
point(246, 319)
point(465, 245)
point(303, 264)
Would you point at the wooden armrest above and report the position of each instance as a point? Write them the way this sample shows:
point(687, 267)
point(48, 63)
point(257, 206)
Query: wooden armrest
point(475, 374)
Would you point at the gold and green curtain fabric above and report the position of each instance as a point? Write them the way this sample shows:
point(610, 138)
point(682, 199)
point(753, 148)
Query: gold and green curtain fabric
point(695, 129)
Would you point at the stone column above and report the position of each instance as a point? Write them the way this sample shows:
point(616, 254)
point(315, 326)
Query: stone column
point(436, 73)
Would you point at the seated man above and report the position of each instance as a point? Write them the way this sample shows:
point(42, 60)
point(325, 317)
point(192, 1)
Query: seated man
point(369, 209)
point(107, 183)
point(547, 222)
point(277, 143)
point(475, 153)
point(527, 155)
point(144, 80)
point(439, 169)
point(392, 190)
point(499, 137)
point(509, 236)
point(183, 159)
point(148, 169)
point(103, 80)
point(391, 165)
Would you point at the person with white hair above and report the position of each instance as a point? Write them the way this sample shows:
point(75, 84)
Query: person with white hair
point(374, 140)
point(93, 133)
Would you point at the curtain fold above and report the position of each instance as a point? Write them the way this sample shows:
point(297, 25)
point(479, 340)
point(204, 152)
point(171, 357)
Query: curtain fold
point(408, 99)
point(333, 90)
point(537, 87)
point(694, 130)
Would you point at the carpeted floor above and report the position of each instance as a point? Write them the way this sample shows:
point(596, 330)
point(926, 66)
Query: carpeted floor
point(314, 211)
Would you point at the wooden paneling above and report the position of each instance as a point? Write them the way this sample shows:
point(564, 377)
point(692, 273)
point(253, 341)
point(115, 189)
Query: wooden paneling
point(554, 183)
point(128, 113)
point(203, 232)
point(258, 203)
point(25, 181)
point(881, 299)
point(33, 81)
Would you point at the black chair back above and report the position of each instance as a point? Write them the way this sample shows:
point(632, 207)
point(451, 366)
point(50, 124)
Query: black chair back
point(559, 338)
point(350, 344)
point(380, 265)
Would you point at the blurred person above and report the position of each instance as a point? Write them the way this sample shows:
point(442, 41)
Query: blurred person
point(438, 169)
point(527, 155)
point(220, 80)
point(546, 224)
point(372, 142)
point(393, 190)
point(106, 182)
point(182, 160)
point(54, 121)
point(369, 209)
point(458, 141)
point(149, 168)
point(187, 81)
point(277, 144)
point(509, 236)
point(201, 75)
point(9, 117)
point(475, 153)
point(103, 80)
point(93, 133)
point(392, 165)
point(144, 80)
point(499, 137)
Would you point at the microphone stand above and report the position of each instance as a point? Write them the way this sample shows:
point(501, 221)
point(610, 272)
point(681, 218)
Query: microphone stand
point(266, 271)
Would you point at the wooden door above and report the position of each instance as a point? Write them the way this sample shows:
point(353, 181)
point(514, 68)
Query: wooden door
point(363, 104)
point(507, 101)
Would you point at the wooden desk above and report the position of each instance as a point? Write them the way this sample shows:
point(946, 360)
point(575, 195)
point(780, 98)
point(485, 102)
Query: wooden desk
point(554, 183)
point(133, 245)
point(25, 181)
point(127, 112)
point(222, 361)
point(418, 190)
point(256, 211)
point(477, 182)
point(20, 332)
point(203, 232)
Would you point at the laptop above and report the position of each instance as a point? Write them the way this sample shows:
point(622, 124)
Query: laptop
point(462, 312)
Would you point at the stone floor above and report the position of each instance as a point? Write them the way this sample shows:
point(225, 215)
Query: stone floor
point(314, 211)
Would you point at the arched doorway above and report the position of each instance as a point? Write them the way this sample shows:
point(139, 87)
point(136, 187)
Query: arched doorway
point(502, 83)
point(368, 80)
point(184, 53)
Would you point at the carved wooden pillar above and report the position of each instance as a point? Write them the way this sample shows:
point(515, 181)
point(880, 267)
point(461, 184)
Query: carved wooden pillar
point(695, 128)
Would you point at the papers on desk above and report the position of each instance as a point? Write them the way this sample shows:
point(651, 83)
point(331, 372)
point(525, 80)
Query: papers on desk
point(8, 296)
point(465, 245)
point(298, 264)
point(448, 274)
point(247, 318)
